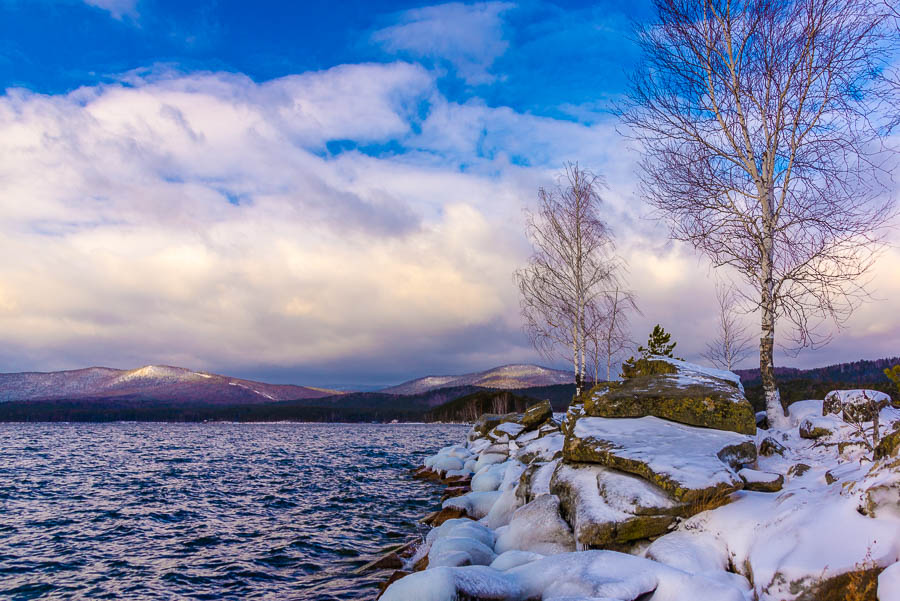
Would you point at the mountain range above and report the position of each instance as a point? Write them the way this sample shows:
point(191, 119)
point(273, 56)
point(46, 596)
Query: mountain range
point(177, 384)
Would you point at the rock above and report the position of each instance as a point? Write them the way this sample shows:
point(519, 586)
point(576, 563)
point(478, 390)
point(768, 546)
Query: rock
point(536, 415)
point(798, 470)
point(661, 366)
point(535, 481)
point(608, 508)
point(889, 445)
point(830, 478)
point(855, 405)
point(689, 463)
point(762, 420)
point(454, 491)
point(547, 448)
point(509, 429)
point(769, 446)
point(437, 518)
point(883, 498)
point(684, 396)
point(397, 575)
point(761, 481)
point(815, 427)
point(489, 421)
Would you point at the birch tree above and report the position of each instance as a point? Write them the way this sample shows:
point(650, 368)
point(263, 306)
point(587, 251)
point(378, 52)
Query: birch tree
point(733, 342)
point(609, 332)
point(760, 149)
point(569, 269)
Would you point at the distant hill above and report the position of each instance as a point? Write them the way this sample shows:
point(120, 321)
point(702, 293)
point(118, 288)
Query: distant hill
point(151, 383)
point(800, 384)
point(507, 377)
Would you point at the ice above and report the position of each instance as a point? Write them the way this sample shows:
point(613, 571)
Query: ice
point(462, 527)
point(514, 558)
point(502, 510)
point(488, 459)
point(889, 583)
point(459, 551)
point(475, 504)
point(537, 527)
point(443, 463)
point(489, 477)
point(451, 584)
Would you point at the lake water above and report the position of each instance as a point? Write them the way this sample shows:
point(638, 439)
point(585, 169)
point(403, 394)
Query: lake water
point(206, 511)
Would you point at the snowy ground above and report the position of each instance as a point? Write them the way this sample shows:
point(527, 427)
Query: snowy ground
point(838, 511)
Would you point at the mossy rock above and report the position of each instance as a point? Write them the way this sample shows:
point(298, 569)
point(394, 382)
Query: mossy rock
point(718, 457)
point(889, 446)
point(813, 429)
point(536, 415)
point(798, 469)
point(704, 402)
point(489, 421)
point(772, 485)
point(863, 582)
point(647, 367)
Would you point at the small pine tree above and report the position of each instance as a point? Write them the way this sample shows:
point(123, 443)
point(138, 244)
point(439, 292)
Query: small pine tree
point(893, 374)
point(657, 344)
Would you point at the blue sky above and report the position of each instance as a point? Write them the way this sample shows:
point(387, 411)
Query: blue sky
point(322, 193)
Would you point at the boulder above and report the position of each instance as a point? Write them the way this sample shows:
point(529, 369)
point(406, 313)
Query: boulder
point(661, 366)
point(769, 446)
point(537, 527)
point(689, 463)
point(608, 508)
point(679, 394)
point(489, 421)
point(855, 405)
point(536, 415)
point(761, 481)
point(816, 427)
point(889, 445)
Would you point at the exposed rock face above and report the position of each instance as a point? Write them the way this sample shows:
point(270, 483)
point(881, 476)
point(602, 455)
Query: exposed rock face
point(536, 415)
point(689, 463)
point(675, 392)
point(855, 405)
point(608, 508)
point(889, 446)
point(489, 421)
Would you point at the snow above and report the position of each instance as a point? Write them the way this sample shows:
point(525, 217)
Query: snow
point(542, 449)
point(694, 553)
point(449, 584)
point(686, 455)
point(512, 429)
point(701, 370)
point(462, 527)
point(749, 475)
point(513, 558)
point(857, 397)
point(459, 551)
point(800, 410)
point(889, 583)
point(443, 463)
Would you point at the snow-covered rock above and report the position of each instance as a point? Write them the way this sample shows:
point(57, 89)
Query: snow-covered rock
point(689, 463)
point(761, 481)
point(855, 405)
point(605, 507)
point(889, 583)
point(537, 527)
point(475, 504)
point(676, 391)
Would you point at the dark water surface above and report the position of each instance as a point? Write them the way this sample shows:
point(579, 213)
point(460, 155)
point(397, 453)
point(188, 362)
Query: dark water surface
point(206, 511)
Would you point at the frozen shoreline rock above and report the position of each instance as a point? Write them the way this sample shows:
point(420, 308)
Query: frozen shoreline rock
point(687, 462)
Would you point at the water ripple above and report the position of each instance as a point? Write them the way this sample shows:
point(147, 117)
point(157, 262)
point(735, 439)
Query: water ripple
point(206, 511)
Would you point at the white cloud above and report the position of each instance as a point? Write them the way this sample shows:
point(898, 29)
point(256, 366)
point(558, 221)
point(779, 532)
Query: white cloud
point(467, 36)
point(201, 219)
point(117, 8)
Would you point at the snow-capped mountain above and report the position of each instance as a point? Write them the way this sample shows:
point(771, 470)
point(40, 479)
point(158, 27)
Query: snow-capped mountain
point(506, 377)
point(152, 382)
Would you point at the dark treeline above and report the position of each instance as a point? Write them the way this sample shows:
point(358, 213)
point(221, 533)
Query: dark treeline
point(440, 405)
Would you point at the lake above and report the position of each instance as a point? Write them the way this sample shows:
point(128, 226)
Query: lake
point(207, 511)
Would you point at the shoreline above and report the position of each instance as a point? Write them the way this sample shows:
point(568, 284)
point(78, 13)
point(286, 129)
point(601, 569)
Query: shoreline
point(568, 508)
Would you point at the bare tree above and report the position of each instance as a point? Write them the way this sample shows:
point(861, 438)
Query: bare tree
point(608, 332)
point(760, 150)
point(569, 268)
point(733, 343)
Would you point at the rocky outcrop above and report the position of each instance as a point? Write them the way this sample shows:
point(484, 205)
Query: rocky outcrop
point(689, 463)
point(675, 391)
point(855, 405)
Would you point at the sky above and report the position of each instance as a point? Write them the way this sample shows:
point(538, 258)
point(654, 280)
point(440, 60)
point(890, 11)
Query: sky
point(320, 193)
